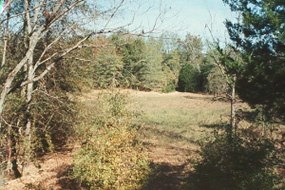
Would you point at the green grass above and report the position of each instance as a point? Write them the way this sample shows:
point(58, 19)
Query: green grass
point(174, 118)
point(177, 118)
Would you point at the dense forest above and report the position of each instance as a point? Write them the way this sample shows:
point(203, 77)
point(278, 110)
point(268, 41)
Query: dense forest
point(50, 56)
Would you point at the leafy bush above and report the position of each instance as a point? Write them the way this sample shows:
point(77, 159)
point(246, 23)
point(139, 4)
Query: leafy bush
point(110, 157)
point(170, 87)
point(234, 164)
point(189, 79)
point(108, 71)
point(216, 82)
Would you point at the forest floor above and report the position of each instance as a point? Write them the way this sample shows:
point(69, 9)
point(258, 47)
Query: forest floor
point(173, 126)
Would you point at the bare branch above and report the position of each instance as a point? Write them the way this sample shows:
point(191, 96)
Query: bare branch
point(49, 67)
point(114, 12)
point(56, 15)
point(40, 62)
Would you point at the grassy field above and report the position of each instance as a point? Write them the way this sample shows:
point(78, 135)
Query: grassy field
point(178, 118)
point(173, 126)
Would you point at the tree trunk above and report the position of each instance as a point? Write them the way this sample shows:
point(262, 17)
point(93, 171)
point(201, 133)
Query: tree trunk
point(5, 39)
point(29, 92)
point(4, 51)
point(30, 85)
point(11, 154)
point(233, 106)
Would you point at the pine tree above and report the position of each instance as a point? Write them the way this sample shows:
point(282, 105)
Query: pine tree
point(260, 35)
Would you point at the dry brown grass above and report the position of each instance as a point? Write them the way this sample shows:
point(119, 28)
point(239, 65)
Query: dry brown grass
point(173, 125)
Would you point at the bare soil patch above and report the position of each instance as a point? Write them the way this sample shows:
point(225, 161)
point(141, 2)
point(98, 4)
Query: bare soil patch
point(50, 173)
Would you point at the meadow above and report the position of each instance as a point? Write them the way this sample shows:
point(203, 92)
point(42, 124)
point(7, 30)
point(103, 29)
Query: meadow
point(174, 125)
point(172, 128)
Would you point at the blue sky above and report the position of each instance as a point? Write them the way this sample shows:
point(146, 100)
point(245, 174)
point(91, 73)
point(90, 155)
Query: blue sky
point(178, 16)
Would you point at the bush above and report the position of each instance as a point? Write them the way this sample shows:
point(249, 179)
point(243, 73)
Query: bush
point(110, 157)
point(53, 115)
point(108, 71)
point(217, 83)
point(170, 87)
point(234, 164)
point(189, 79)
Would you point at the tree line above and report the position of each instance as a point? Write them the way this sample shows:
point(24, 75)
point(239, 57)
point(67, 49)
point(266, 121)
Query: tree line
point(165, 63)
point(48, 52)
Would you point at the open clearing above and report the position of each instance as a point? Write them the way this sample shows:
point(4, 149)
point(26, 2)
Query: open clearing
point(173, 126)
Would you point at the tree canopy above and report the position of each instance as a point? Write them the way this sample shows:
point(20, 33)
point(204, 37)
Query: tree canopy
point(260, 35)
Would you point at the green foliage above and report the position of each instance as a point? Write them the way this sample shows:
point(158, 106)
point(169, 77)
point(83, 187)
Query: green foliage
point(260, 36)
point(170, 87)
point(238, 164)
point(205, 68)
point(110, 157)
point(216, 82)
point(171, 60)
point(108, 70)
point(134, 59)
point(171, 68)
point(189, 79)
point(153, 75)
point(147, 64)
point(76, 72)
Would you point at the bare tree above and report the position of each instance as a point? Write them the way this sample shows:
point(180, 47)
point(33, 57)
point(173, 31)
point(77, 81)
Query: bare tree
point(40, 27)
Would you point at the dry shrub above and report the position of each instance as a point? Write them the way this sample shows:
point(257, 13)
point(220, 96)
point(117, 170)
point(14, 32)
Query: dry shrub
point(51, 114)
point(110, 156)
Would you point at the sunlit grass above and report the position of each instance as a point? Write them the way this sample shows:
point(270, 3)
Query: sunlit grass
point(178, 118)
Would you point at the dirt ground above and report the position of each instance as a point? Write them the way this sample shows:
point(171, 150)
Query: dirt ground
point(50, 173)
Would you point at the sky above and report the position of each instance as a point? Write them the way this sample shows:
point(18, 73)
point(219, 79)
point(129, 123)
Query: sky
point(177, 16)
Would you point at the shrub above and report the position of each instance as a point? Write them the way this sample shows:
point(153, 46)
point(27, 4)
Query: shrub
point(189, 79)
point(216, 82)
point(110, 157)
point(236, 164)
point(170, 87)
point(108, 71)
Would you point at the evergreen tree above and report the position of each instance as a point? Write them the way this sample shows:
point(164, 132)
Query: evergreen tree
point(260, 35)
point(134, 59)
point(189, 79)
point(153, 76)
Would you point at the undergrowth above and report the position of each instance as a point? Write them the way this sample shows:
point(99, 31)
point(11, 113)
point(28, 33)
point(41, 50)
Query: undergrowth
point(110, 156)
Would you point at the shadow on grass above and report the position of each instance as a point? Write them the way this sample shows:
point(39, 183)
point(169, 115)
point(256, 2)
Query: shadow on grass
point(233, 164)
point(168, 134)
point(198, 98)
point(222, 126)
point(66, 181)
point(166, 177)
